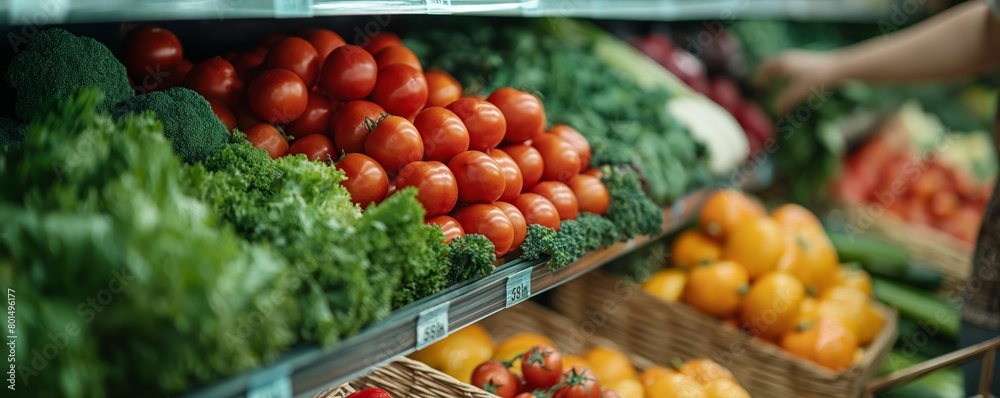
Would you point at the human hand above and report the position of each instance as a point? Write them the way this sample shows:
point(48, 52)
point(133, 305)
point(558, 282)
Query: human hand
point(806, 71)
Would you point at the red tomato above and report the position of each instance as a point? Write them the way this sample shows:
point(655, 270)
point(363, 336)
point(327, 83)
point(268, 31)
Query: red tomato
point(270, 39)
point(511, 174)
point(561, 196)
point(579, 383)
point(316, 118)
point(523, 112)
point(491, 222)
point(268, 138)
point(400, 89)
point(149, 50)
point(297, 55)
point(245, 118)
point(370, 393)
point(542, 366)
point(316, 147)
point(522, 385)
point(560, 159)
point(215, 78)
point(394, 143)
point(537, 210)
point(174, 77)
point(442, 88)
point(224, 114)
point(229, 55)
point(526, 395)
point(278, 96)
point(480, 178)
point(249, 63)
point(529, 161)
point(351, 123)
point(593, 171)
point(324, 40)
point(575, 139)
point(436, 186)
point(517, 220)
point(348, 73)
point(484, 120)
point(449, 226)
point(591, 194)
point(366, 179)
point(380, 41)
point(443, 133)
point(397, 54)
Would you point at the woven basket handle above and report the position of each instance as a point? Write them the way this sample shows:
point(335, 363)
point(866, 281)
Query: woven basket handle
point(985, 350)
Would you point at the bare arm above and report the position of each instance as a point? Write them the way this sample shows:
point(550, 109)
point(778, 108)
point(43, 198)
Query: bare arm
point(960, 42)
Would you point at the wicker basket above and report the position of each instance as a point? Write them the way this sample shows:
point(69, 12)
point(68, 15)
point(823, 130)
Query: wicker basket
point(936, 249)
point(340, 391)
point(406, 378)
point(623, 313)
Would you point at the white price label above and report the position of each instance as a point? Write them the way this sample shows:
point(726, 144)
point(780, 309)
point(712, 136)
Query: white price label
point(518, 287)
point(432, 325)
point(439, 7)
point(271, 384)
point(293, 8)
point(677, 210)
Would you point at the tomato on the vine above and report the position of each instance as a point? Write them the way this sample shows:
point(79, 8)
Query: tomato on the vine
point(381, 40)
point(511, 174)
point(449, 226)
point(523, 112)
point(296, 55)
point(526, 395)
point(494, 377)
point(401, 89)
point(316, 147)
point(215, 79)
point(268, 138)
point(370, 393)
point(560, 159)
point(489, 221)
point(444, 135)
point(480, 178)
point(484, 120)
point(224, 114)
point(350, 125)
point(397, 54)
point(529, 161)
point(394, 143)
point(579, 383)
point(278, 96)
point(324, 41)
point(517, 221)
point(442, 88)
point(537, 210)
point(315, 119)
point(437, 190)
point(561, 196)
point(366, 179)
point(149, 50)
point(542, 366)
point(591, 194)
point(348, 73)
point(575, 139)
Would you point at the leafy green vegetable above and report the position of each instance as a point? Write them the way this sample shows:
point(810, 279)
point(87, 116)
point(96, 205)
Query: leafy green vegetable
point(11, 133)
point(573, 240)
point(188, 121)
point(631, 211)
point(149, 294)
point(471, 257)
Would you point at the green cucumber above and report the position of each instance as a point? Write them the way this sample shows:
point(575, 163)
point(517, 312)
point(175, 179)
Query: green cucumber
point(915, 339)
point(945, 383)
point(875, 255)
point(923, 307)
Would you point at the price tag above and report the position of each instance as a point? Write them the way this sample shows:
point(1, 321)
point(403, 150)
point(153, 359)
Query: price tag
point(518, 287)
point(293, 8)
point(677, 210)
point(273, 383)
point(432, 325)
point(439, 7)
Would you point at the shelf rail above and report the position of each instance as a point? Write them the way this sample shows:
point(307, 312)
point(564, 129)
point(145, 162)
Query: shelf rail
point(986, 350)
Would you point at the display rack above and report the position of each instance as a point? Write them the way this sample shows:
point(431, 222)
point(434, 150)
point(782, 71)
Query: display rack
point(48, 12)
point(307, 371)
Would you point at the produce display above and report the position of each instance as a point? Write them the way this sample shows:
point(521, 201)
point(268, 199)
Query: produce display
point(529, 365)
point(776, 277)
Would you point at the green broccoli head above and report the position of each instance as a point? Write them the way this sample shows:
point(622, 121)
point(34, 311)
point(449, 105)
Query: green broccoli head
point(56, 64)
point(188, 121)
point(471, 258)
point(631, 210)
point(11, 133)
point(240, 157)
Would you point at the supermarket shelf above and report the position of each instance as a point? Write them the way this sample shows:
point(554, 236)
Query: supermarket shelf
point(47, 12)
point(308, 371)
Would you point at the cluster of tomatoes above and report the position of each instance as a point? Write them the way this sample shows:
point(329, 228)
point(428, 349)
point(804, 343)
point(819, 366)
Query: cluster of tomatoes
point(480, 165)
point(542, 375)
point(775, 276)
point(370, 393)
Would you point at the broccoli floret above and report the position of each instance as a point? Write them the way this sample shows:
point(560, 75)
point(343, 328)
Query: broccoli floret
point(240, 157)
point(608, 152)
point(11, 133)
point(471, 258)
point(56, 64)
point(537, 242)
point(188, 121)
point(561, 247)
point(600, 232)
point(631, 210)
